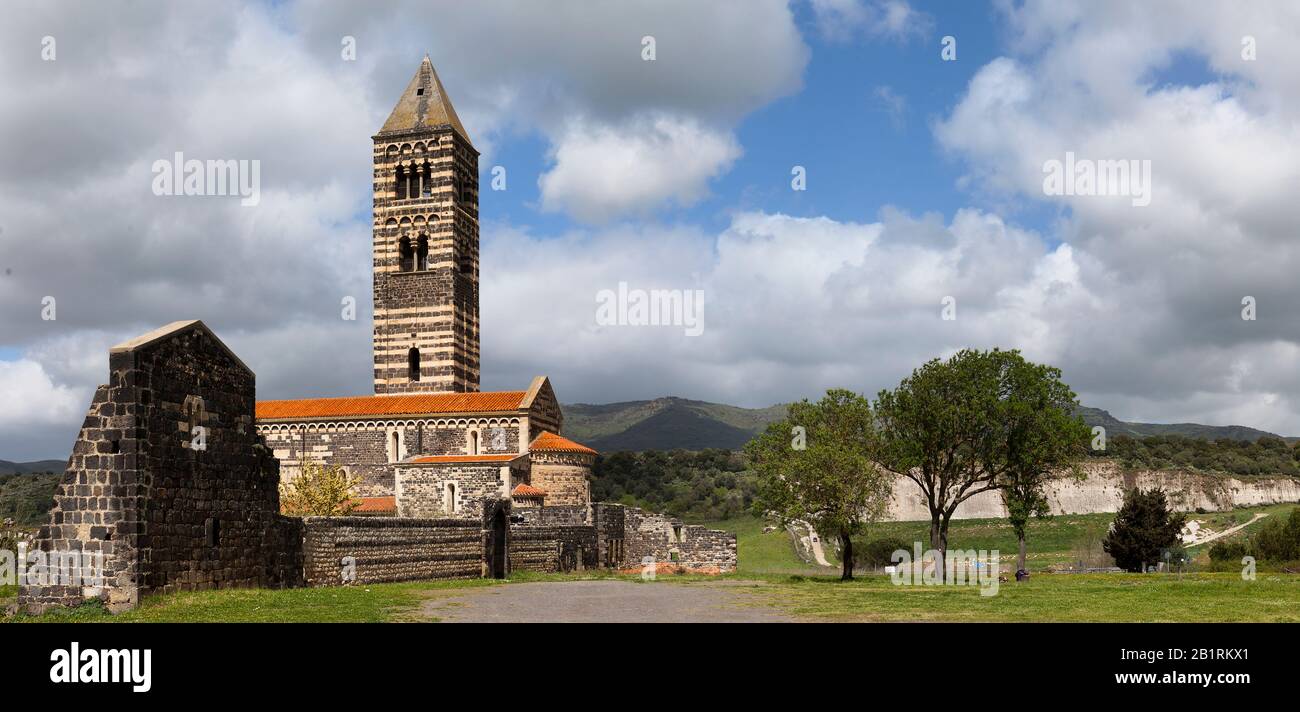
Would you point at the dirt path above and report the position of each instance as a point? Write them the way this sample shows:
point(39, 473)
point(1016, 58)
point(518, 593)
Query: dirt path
point(601, 602)
point(810, 540)
point(1226, 532)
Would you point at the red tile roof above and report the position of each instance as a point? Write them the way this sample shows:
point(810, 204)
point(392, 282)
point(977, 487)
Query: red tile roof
point(405, 404)
point(524, 490)
point(374, 505)
point(550, 442)
point(467, 458)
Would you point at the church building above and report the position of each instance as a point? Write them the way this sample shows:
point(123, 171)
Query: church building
point(429, 443)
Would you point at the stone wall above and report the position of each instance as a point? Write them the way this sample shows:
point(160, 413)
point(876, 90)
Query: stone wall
point(169, 480)
point(553, 548)
point(667, 540)
point(390, 549)
point(422, 488)
point(1102, 490)
point(365, 448)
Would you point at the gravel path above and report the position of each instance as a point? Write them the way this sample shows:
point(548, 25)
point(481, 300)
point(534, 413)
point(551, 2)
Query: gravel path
point(601, 602)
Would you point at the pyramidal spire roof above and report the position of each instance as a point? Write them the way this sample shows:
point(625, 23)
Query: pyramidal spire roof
point(424, 104)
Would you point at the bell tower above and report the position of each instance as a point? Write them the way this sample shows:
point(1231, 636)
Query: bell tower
point(426, 330)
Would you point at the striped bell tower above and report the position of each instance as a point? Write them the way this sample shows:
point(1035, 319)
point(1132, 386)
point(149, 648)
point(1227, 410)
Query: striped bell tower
point(426, 337)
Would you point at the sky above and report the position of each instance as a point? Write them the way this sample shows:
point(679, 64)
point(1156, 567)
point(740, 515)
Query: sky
point(922, 194)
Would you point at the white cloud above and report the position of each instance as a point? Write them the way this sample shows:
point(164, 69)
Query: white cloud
point(1224, 155)
point(32, 398)
point(841, 20)
point(601, 172)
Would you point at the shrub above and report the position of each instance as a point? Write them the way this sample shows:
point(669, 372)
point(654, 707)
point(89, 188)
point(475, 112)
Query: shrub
point(1228, 550)
point(1143, 529)
point(877, 553)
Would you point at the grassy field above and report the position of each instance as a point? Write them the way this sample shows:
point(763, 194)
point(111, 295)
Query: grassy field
point(354, 604)
point(1050, 542)
point(1045, 597)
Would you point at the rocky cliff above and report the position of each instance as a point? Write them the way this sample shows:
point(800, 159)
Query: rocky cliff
point(1102, 490)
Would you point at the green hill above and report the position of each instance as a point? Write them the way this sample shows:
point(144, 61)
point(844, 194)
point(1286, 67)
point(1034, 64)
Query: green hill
point(678, 423)
point(666, 424)
point(1115, 426)
point(20, 468)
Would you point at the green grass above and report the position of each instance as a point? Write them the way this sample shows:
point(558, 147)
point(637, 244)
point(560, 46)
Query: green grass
point(760, 553)
point(1044, 597)
point(353, 604)
point(1050, 542)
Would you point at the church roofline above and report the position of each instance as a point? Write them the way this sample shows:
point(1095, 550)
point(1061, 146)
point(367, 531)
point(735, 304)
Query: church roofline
point(392, 406)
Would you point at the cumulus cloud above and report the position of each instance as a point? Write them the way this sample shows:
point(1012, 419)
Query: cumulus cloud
point(792, 305)
point(1224, 164)
point(609, 171)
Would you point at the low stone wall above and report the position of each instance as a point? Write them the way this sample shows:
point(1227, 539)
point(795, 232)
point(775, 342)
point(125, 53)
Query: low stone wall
point(553, 549)
point(1102, 490)
point(665, 539)
point(390, 549)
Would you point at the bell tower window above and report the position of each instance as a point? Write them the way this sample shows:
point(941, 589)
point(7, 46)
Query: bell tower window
point(413, 364)
point(406, 256)
point(422, 253)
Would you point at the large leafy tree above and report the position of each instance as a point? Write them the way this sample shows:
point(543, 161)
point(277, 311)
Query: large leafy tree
point(1043, 435)
point(978, 422)
point(819, 465)
point(1143, 528)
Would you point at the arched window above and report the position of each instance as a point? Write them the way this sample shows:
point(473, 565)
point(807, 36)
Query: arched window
point(426, 181)
point(395, 447)
point(399, 192)
point(449, 498)
point(413, 364)
point(406, 256)
point(473, 442)
point(422, 253)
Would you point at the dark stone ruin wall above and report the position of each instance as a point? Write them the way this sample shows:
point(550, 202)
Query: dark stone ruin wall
point(671, 543)
point(94, 508)
point(391, 549)
point(553, 548)
point(168, 516)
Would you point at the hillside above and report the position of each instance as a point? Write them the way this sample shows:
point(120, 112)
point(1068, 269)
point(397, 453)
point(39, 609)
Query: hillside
point(678, 423)
point(666, 424)
point(21, 468)
point(1115, 426)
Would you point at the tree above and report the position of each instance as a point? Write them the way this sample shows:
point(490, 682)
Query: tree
point(978, 422)
point(818, 465)
point(1143, 528)
point(319, 491)
point(1043, 436)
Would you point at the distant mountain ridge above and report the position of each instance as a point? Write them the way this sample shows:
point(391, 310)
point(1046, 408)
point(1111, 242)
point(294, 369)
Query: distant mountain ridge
point(22, 468)
point(678, 423)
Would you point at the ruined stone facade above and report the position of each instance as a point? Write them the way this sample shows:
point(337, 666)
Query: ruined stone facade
point(169, 480)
